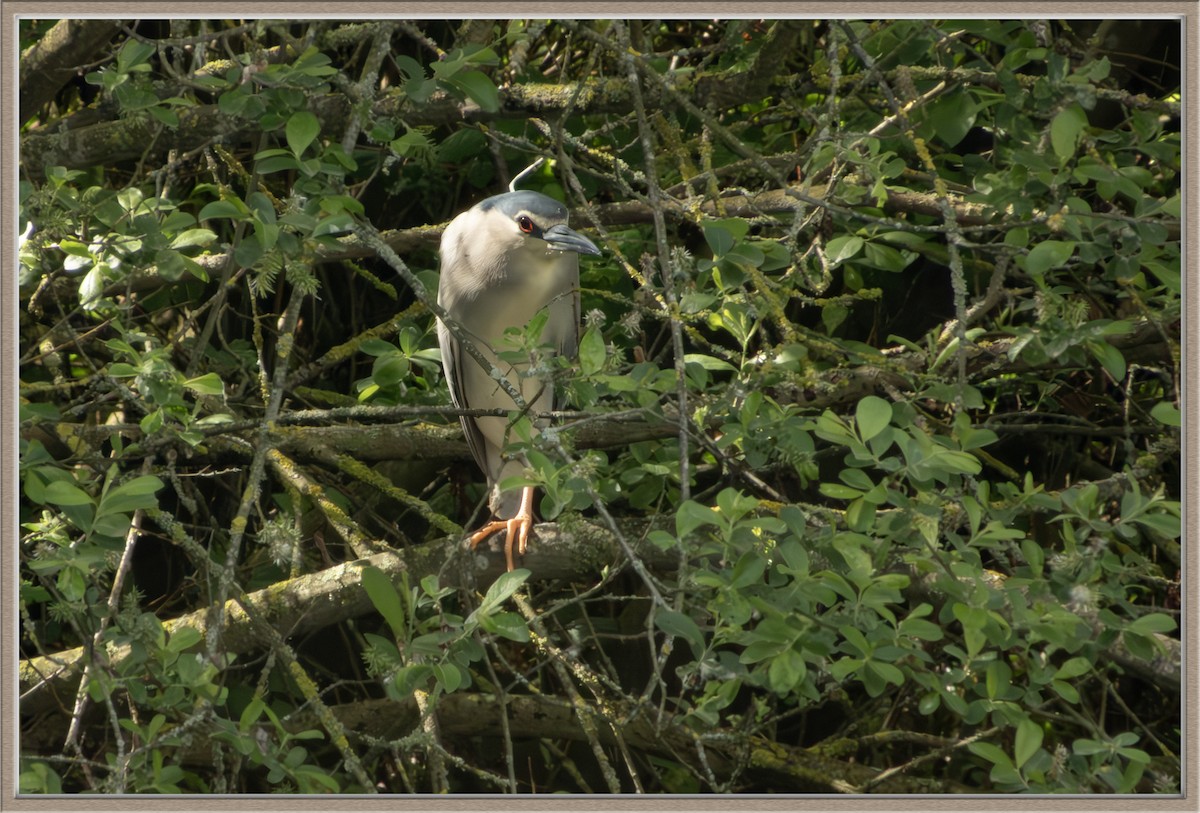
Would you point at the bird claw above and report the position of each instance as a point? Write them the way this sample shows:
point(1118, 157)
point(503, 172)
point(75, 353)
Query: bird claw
point(515, 529)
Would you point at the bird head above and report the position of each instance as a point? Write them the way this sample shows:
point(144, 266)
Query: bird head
point(516, 239)
point(528, 221)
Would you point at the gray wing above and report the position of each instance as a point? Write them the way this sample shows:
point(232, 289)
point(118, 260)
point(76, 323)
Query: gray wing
point(453, 359)
point(569, 344)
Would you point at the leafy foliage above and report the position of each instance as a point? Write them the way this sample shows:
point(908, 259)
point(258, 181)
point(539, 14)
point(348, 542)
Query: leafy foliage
point(872, 475)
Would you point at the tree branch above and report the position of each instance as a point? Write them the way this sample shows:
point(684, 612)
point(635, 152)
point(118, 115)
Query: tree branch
point(568, 550)
point(50, 63)
point(572, 549)
point(781, 768)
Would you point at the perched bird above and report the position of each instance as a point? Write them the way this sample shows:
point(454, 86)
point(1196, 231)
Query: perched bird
point(502, 261)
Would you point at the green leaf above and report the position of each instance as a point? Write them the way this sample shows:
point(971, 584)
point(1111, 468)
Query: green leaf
point(591, 351)
point(70, 583)
point(479, 88)
point(831, 427)
point(761, 650)
point(748, 570)
point(248, 251)
point(223, 208)
point(314, 774)
point(74, 248)
point(840, 249)
point(251, 713)
point(854, 637)
point(860, 515)
point(61, 492)
point(153, 422)
point(276, 163)
point(507, 625)
point(1028, 741)
point(1166, 413)
point(844, 667)
point(857, 478)
point(786, 671)
point(130, 198)
point(1073, 668)
point(1065, 131)
point(207, 384)
point(777, 630)
point(691, 515)
point(710, 363)
point(952, 117)
point(992, 753)
point(1110, 358)
point(1065, 690)
point(301, 129)
point(111, 524)
point(840, 492)
point(339, 204)
point(1085, 747)
point(120, 369)
point(682, 626)
point(890, 672)
point(999, 678)
point(377, 347)
point(132, 98)
point(1146, 625)
point(1166, 524)
point(461, 145)
point(448, 677)
point(133, 54)
point(922, 629)
point(1048, 254)
point(886, 258)
point(413, 143)
point(1134, 755)
point(183, 639)
point(384, 596)
point(409, 678)
point(502, 588)
point(390, 369)
point(337, 224)
point(165, 115)
point(662, 540)
point(1034, 555)
point(722, 235)
point(832, 315)
point(137, 493)
point(871, 416)
point(960, 462)
point(970, 617)
point(193, 237)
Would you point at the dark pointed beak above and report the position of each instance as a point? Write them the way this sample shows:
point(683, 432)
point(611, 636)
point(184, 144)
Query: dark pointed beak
point(562, 238)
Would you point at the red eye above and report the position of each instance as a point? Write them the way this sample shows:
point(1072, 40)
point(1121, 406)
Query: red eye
point(525, 224)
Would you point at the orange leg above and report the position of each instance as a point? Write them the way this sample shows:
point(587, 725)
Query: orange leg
point(516, 528)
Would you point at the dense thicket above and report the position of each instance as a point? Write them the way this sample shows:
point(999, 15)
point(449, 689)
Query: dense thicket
point(871, 477)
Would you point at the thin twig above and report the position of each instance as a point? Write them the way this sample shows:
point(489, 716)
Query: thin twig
point(883, 776)
point(368, 234)
point(665, 266)
point(113, 607)
point(274, 403)
point(365, 90)
point(584, 713)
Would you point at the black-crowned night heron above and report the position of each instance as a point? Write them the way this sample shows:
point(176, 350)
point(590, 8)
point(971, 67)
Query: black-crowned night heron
point(503, 261)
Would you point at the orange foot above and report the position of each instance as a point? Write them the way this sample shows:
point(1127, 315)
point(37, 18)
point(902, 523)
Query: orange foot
point(516, 528)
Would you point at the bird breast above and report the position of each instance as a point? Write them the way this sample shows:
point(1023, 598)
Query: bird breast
point(495, 299)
